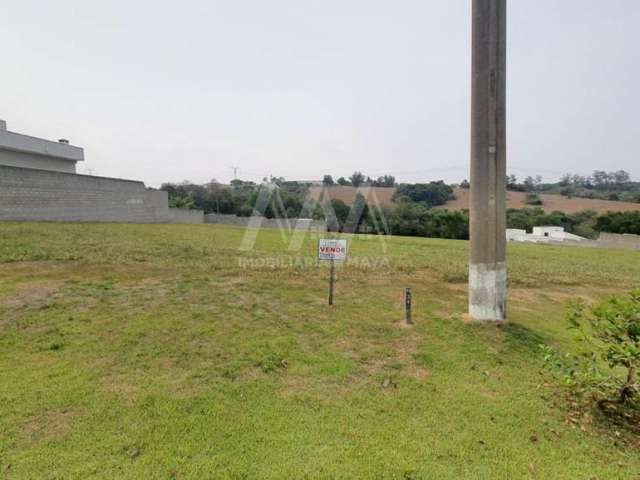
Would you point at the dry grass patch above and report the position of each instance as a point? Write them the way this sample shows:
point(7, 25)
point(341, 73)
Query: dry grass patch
point(50, 425)
point(32, 295)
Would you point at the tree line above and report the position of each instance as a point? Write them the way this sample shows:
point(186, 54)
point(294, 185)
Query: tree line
point(411, 213)
point(358, 179)
point(601, 185)
point(414, 219)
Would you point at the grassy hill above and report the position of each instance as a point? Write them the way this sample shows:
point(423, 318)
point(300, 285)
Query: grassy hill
point(131, 351)
point(375, 195)
point(550, 203)
point(516, 200)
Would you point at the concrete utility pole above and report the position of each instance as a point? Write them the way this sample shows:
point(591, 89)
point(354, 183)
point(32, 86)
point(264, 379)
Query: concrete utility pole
point(487, 269)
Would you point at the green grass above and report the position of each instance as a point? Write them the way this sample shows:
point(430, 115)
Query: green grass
point(148, 352)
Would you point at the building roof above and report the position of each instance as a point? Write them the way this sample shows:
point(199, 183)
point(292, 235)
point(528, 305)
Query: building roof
point(18, 142)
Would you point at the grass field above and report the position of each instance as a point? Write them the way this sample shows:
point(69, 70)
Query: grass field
point(550, 203)
point(516, 200)
point(135, 352)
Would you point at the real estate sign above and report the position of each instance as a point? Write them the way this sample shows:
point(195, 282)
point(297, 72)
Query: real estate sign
point(332, 249)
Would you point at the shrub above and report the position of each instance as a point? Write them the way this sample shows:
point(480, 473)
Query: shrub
point(415, 219)
point(328, 180)
point(385, 181)
point(606, 368)
point(430, 194)
point(533, 199)
point(182, 202)
point(336, 216)
point(619, 222)
point(568, 192)
point(357, 179)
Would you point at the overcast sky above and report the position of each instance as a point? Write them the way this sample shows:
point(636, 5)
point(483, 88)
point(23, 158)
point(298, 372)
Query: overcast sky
point(166, 91)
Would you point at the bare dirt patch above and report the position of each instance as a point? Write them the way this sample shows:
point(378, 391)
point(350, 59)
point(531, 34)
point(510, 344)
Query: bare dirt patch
point(532, 297)
point(380, 195)
point(406, 356)
point(32, 296)
point(50, 425)
point(127, 392)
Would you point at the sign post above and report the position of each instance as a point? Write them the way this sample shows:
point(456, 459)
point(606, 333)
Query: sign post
point(330, 249)
point(407, 306)
point(332, 281)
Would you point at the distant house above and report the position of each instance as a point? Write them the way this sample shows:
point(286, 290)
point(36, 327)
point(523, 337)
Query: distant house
point(542, 235)
point(39, 183)
point(24, 151)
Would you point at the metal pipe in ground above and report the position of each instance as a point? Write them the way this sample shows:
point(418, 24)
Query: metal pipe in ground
point(408, 320)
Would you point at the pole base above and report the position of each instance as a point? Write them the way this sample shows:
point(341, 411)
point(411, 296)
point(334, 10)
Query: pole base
point(488, 292)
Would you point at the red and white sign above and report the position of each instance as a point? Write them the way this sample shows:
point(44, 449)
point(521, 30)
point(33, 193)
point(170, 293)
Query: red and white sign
point(332, 249)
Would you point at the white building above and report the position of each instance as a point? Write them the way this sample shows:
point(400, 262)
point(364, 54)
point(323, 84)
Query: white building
point(542, 235)
point(516, 235)
point(24, 151)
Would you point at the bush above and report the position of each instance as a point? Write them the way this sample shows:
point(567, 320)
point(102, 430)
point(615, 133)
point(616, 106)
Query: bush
point(619, 222)
point(568, 192)
point(357, 179)
point(385, 181)
point(430, 194)
point(605, 371)
point(533, 199)
point(181, 202)
point(336, 216)
point(416, 220)
point(358, 215)
point(328, 180)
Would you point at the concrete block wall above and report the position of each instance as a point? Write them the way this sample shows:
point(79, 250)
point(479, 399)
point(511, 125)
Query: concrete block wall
point(289, 224)
point(39, 195)
point(226, 219)
point(183, 215)
point(615, 240)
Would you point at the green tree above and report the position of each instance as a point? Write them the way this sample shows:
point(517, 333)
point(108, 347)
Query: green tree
point(619, 222)
point(408, 218)
point(430, 194)
point(337, 215)
point(385, 181)
point(328, 180)
point(357, 179)
point(533, 199)
point(532, 184)
point(181, 202)
point(358, 215)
